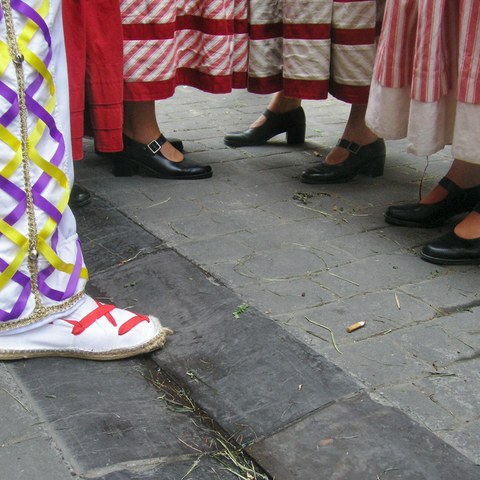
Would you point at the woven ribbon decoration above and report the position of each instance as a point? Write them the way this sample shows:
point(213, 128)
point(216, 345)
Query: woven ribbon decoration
point(41, 264)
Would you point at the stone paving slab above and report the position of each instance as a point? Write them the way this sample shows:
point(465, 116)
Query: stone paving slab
point(358, 438)
point(105, 415)
point(27, 451)
point(107, 239)
point(206, 469)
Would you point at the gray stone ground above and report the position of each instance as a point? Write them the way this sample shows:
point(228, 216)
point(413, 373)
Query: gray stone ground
point(333, 260)
point(329, 261)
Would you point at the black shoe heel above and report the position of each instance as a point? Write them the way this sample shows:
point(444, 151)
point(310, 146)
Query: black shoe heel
point(122, 167)
point(296, 134)
point(292, 123)
point(375, 168)
point(367, 159)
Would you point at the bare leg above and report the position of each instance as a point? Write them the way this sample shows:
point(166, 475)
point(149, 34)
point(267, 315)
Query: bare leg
point(355, 131)
point(464, 174)
point(279, 103)
point(469, 227)
point(140, 124)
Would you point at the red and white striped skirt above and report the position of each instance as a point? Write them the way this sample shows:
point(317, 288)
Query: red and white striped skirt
point(426, 84)
point(200, 43)
point(310, 48)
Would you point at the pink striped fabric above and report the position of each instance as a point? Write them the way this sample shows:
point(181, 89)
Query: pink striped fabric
point(307, 48)
point(201, 43)
point(312, 48)
point(433, 46)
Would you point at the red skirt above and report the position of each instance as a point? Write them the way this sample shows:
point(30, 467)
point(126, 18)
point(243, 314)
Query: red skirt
point(306, 48)
point(93, 41)
point(199, 43)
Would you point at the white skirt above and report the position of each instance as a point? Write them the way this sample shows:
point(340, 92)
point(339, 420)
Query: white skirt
point(426, 84)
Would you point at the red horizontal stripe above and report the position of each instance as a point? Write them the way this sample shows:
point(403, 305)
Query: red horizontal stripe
point(309, 89)
point(265, 85)
point(263, 32)
point(306, 89)
point(164, 31)
point(356, 95)
point(148, 91)
point(148, 31)
point(205, 25)
point(241, 26)
point(344, 36)
point(303, 31)
point(306, 31)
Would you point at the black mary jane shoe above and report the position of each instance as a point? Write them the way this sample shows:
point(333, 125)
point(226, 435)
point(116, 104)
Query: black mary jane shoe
point(79, 196)
point(176, 143)
point(292, 123)
point(450, 249)
point(136, 157)
point(368, 160)
point(457, 201)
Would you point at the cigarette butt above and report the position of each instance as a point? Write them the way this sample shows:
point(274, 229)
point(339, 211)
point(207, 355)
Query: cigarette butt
point(355, 326)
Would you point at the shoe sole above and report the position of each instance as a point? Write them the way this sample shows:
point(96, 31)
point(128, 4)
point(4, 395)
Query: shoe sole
point(155, 343)
point(406, 223)
point(326, 182)
point(79, 204)
point(448, 261)
point(141, 168)
point(259, 144)
point(236, 145)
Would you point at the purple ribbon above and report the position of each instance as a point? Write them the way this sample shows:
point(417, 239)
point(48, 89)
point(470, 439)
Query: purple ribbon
point(22, 300)
point(41, 183)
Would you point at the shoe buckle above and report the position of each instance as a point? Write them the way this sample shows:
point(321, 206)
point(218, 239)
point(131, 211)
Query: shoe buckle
point(154, 147)
point(354, 148)
point(350, 146)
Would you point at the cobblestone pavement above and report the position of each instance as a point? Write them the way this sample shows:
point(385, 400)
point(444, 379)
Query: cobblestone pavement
point(396, 399)
point(307, 255)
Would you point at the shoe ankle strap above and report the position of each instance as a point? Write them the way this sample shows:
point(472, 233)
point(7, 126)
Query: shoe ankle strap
point(156, 145)
point(450, 186)
point(269, 114)
point(350, 146)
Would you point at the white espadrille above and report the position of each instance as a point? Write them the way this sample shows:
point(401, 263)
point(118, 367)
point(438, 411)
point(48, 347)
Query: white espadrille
point(94, 330)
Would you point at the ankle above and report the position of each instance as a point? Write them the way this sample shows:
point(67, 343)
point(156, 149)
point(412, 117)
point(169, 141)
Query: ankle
point(360, 136)
point(436, 195)
point(469, 227)
point(464, 174)
point(142, 136)
point(284, 104)
point(336, 155)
